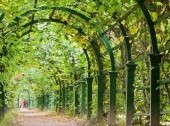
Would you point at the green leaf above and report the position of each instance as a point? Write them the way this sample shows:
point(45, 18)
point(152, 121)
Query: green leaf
point(2, 15)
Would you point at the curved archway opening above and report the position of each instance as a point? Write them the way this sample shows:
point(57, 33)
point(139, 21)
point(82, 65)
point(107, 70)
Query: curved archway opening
point(24, 99)
point(128, 36)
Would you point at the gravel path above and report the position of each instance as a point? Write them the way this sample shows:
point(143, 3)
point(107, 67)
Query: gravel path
point(36, 118)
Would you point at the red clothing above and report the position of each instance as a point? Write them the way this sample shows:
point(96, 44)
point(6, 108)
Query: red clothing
point(25, 103)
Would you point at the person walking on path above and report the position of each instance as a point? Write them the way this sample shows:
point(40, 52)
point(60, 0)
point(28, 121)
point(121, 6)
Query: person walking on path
point(24, 104)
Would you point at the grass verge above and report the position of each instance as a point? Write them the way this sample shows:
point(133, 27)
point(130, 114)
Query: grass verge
point(9, 119)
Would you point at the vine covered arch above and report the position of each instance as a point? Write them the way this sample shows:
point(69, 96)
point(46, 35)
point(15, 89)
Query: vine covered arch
point(29, 98)
point(129, 43)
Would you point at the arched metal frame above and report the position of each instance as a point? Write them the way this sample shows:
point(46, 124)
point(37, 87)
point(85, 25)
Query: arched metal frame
point(93, 43)
point(113, 75)
point(130, 74)
point(29, 98)
point(89, 83)
point(155, 59)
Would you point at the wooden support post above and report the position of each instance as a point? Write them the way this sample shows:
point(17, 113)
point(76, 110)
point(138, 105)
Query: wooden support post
point(57, 100)
point(83, 98)
point(2, 101)
point(18, 102)
point(66, 97)
point(29, 100)
point(76, 98)
point(70, 95)
point(63, 98)
point(130, 93)
point(100, 82)
point(89, 97)
point(112, 98)
point(155, 60)
point(60, 97)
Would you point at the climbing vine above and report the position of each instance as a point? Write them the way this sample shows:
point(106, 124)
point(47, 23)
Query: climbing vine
point(51, 47)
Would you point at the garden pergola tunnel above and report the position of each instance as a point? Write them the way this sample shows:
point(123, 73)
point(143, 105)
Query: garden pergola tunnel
point(29, 98)
point(121, 55)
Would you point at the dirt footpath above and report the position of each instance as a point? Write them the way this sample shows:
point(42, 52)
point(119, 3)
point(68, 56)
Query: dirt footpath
point(38, 118)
